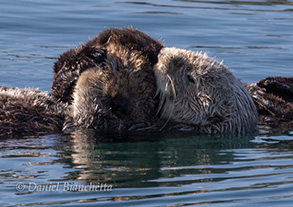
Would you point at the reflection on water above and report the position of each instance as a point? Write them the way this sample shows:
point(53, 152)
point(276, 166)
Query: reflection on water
point(149, 169)
point(142, 160)
point(182, 169)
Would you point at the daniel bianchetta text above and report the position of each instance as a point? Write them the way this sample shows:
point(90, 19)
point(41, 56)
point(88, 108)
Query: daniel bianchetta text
point(67, 186)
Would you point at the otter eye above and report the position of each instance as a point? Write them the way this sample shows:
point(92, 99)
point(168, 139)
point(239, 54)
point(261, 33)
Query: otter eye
point(190, 79)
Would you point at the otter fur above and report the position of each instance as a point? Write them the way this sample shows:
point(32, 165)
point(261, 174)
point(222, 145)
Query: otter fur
point(29, 112)
point(197, 91)
point(135, 49)
point(123, 80)
point(109, 81)
point(273, 97)
point(116, 71)
point(113, 97)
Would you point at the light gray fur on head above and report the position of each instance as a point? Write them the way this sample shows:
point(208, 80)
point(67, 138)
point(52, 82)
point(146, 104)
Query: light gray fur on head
point(200, 92)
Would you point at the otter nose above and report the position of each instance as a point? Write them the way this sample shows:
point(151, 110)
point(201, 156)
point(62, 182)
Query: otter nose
point(120, 106)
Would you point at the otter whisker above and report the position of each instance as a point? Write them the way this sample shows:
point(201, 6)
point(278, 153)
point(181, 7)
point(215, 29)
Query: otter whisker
point(162, 101)
point(172, 85)
point(160, 105)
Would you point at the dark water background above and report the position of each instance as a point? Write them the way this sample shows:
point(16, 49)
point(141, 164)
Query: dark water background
point(255, 39)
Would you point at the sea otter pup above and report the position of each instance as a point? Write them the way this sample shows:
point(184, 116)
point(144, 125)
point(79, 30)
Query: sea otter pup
point(109, 81)
point(135, 49)
point(273, 97)
point(29, 112)
point(197, 91)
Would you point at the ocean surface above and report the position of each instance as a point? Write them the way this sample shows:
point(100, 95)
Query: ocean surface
point(253, 37)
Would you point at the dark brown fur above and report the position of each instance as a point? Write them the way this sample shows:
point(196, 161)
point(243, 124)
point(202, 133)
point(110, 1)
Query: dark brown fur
point(29, 112)
point(120, 83)
point(273, 97)
point(72, 63)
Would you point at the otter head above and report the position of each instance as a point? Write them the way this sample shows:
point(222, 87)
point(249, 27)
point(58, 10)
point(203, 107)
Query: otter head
point(113, 95)
point(201, 93)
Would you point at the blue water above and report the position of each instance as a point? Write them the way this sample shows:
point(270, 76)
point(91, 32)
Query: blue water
point(253, 37)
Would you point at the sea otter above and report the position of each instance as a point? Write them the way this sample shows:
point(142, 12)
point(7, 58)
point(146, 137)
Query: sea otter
point(109, 81)
point(199, 92)
point(123, 80)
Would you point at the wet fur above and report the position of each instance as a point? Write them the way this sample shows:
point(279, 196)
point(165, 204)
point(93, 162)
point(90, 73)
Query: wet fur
point(109, 81)
point(29, 112)
point(202, 93)
point(112, 97)
point(273, 97)
point(133, 47)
